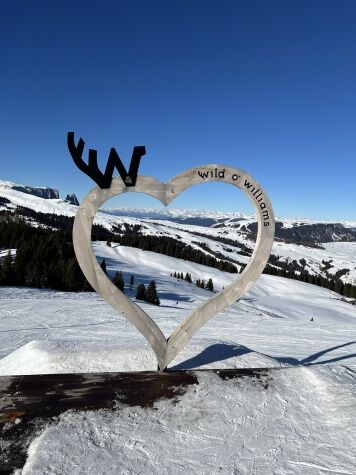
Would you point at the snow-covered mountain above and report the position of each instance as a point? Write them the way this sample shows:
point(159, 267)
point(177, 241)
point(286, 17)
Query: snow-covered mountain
point(215, 218)
point(320, 248)
point(27, 197)
point(185, 216)
point(41, 191)
point(296, 230)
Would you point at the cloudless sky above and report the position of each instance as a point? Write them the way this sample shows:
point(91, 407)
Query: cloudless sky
point(266, 86)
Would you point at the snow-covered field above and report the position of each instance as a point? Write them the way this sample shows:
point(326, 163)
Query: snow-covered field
point(301, 419)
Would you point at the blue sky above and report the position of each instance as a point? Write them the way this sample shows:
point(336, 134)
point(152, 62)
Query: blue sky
point(266, 86)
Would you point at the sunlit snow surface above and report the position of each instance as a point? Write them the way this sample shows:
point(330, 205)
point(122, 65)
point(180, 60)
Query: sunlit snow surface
point(303, 421)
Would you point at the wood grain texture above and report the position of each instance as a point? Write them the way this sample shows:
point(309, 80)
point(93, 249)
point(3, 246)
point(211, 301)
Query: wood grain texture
point(167, 349)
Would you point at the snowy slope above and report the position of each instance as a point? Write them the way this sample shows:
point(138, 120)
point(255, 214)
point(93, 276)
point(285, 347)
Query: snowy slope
point(48, 206)
point(42, 205)
point(46, 331)
point(297, 419)
point(341, 255)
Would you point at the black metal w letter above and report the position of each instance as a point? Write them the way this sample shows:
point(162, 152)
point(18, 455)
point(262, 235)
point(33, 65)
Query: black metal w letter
point(92, 170)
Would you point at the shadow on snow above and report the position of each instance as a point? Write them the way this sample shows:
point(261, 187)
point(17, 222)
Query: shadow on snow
point(224, 351)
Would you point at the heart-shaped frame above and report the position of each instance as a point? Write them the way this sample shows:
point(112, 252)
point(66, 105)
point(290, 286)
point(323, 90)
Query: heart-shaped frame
point(167, 349)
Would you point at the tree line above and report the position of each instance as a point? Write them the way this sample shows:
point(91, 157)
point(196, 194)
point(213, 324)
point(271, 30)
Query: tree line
point(208, 285)
point(174, 248)
point(45, 256)
point(335, 284)
point(148, 294)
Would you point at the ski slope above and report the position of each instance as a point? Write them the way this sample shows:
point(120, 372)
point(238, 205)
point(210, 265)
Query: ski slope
point(47, 331)
point(299, 419)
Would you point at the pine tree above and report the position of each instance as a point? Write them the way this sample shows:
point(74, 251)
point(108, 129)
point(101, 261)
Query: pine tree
point(86, 287)
point(132, 281)
point(140, 291)
point(210, 285)
point(119, 281)
point(347, 290)
point(353, 291)
point(339, 287)
point(188, 277)
point(73, 278)
point(7, 270)
point(151, 295)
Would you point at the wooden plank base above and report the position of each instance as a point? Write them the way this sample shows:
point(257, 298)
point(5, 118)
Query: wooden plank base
point(29, 403)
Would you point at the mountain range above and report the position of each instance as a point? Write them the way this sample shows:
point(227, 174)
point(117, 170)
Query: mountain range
point(317, 248)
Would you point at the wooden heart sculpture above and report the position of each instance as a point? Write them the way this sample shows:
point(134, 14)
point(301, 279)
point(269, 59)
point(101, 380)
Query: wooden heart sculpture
point(167, 349)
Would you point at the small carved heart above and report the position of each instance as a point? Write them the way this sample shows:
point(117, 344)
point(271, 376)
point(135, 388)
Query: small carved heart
point(167, 349)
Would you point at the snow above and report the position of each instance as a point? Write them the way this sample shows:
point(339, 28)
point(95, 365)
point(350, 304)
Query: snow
point(301, 423)
point(41, 205)
point(183, 213)
point(49, 206)
point(342, 254)
point(298, 419)
point(5, 252)
point(43, 331)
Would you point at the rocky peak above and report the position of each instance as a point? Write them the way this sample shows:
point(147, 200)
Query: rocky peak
point(72, 199)
point(41, 192)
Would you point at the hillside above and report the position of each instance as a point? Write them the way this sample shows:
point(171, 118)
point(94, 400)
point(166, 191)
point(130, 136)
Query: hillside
point(297, 418)
point(274, 308)
point(286, 421)
point(299, 250)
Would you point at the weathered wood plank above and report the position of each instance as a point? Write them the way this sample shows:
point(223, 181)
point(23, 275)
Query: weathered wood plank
point(27, 403)
point(50, 394)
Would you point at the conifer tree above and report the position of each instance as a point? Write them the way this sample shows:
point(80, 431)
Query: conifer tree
point(353, 292)
point(86, 287)
point(119, 281)
point(347, 290)
point(151, 295)
point(140, 291)
point(210, 285)
point(132, 281)
point(7, 270)
point(72, 276)
point(339, 287)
